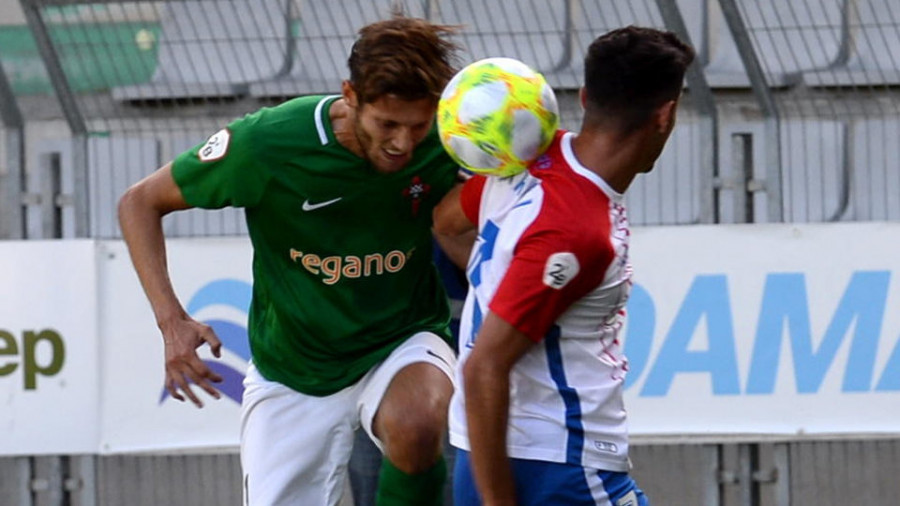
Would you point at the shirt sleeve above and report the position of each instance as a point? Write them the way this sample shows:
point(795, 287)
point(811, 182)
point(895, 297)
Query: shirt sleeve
point(225, 170)
point(470, 197)
point(548, 273)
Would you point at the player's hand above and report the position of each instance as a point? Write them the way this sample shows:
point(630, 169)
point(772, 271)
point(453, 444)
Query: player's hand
point(182, 337)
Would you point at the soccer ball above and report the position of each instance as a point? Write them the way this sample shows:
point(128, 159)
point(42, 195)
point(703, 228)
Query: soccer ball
point(496, 116)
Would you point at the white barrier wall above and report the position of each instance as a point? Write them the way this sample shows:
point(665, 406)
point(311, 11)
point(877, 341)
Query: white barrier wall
point(765, 330)
point(212, 279)
point(49, 346)
point(732, 331)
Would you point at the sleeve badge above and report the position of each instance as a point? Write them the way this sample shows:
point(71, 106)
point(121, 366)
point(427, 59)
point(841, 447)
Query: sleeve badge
point(560, 269)
point(216, 146)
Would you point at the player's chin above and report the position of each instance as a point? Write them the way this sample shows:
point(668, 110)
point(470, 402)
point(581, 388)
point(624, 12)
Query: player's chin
point(388, 164)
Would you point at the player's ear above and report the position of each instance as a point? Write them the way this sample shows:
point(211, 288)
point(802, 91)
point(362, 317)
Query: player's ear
point(665, 117)
point(349, 94)
point(582, 97)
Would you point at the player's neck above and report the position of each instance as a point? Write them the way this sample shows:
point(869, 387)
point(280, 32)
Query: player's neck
point(614, 158)
point(342, 122)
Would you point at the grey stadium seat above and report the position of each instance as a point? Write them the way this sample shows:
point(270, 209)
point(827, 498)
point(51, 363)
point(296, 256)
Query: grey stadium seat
point(591, 19)
point(533, 31)
point(320, 49)
point(790, 37)
point(871, 53)
point(210, 48)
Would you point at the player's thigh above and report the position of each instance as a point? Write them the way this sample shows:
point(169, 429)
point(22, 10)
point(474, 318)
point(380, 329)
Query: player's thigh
point(294, 447)
point(406, 392)
point(541, 483)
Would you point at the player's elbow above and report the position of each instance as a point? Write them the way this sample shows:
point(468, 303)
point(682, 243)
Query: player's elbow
point(150, 198)
point(129, 202)
point(136, 205)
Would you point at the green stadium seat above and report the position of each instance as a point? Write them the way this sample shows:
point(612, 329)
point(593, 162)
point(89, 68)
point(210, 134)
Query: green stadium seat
point(216, 49)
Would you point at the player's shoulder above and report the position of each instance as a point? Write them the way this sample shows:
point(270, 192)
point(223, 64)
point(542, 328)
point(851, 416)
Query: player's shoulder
point(295, 118)
point(577, 188)
point(303, 107)
point(575, 209)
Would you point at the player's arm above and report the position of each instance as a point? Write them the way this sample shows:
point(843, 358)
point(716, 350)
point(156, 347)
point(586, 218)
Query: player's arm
point(449, 217)
point(141, 210)
point(498, 347)
point(453, 230)
point(455, 218)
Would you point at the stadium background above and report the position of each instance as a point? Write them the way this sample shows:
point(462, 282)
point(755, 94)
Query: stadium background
point(791, 115)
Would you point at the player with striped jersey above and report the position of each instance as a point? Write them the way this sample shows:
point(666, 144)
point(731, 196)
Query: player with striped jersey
point(539, 417)
point(348, 323)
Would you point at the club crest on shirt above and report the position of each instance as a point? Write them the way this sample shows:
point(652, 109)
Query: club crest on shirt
point(416, 190)
point(543, 162)
point(215, 147)
point(560, 268)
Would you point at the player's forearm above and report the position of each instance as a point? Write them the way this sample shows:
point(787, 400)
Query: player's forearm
point(448, 216)
point(487, 412)
point(458, 247)
point(141, 226)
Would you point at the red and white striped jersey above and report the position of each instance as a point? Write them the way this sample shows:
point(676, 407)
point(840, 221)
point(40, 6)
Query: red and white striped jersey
point(551, 259)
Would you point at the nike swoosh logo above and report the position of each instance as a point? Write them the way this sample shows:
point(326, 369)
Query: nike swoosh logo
point(307, 206)
point(435, 355)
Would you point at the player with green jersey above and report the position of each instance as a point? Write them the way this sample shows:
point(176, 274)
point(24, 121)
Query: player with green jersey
point(348, 320)
point(342, 297)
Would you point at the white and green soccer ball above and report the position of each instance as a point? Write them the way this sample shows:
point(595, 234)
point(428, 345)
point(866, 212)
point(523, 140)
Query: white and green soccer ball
point(496, 116)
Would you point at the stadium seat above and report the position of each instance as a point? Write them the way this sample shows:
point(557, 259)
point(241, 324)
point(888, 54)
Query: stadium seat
point(210, 48)
point(591, 19)
point(532, 31)
point(871, 54)
point(320, 48)
point(790, 37)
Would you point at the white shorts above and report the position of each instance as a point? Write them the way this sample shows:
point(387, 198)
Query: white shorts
point(295, 447)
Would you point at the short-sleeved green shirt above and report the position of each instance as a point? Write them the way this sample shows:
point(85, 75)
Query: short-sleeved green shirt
point(342, 265)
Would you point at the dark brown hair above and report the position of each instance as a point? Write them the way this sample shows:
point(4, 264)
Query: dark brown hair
point(630, 72)
point(407, 57)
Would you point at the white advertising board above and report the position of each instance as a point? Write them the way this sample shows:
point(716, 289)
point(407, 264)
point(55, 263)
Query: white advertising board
point(212, 279)
point(49, 380)
point(775, 330)
point(732, 331)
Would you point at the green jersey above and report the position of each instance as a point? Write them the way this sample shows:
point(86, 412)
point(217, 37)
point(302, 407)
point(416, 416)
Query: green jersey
point(342, 264)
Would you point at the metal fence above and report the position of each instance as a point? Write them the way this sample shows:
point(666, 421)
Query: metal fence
point(12, 127)
point(796, 126)
point(826, 77)
point(789, 113)
point(822, 473)
point(138, 82)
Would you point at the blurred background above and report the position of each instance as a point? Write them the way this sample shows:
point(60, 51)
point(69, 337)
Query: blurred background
point(791, 115)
